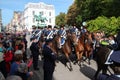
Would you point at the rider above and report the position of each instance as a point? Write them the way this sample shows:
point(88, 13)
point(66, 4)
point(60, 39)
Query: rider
point(49, 32)
point(55, 30)
point(74, 29)
point(33, 31)
point(38, 33)
point(62, 34)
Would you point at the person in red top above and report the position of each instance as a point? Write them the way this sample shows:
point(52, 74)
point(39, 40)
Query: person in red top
point(8, 57)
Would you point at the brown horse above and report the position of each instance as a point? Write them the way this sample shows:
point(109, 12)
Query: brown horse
point(67, 49)
point(56, 44)
point(79, 47)
point(88, 45)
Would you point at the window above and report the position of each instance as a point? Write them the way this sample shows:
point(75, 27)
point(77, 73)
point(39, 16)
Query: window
point(33, 12)
point(49, 20)
point(49, 13)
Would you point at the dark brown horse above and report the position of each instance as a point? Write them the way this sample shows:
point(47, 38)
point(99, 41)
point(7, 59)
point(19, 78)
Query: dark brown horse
point(101, 57)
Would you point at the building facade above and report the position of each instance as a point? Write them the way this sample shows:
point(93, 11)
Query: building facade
point(16, 24)
point(34, 12)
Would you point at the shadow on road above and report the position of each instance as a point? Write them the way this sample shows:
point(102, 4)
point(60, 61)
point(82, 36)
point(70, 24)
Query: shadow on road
point(87, 71)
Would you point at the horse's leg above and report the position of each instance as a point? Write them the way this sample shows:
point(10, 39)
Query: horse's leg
point(70, 65)
point(97, 72)
point(90, 56)
point(85, 55)
point(104, 69)
point(78, 57)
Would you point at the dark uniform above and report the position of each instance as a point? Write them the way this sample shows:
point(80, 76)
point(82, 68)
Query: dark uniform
point(49, 32)
point(35, 54)
point(49, 62)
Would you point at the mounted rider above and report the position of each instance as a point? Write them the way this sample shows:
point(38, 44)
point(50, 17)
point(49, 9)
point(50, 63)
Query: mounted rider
point(75, 30)
point(62, 33)
point(49, 33)
point(33, 32)
point(55, 30)
point(36, 32)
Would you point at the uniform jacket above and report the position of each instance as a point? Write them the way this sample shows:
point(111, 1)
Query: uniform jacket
point(49, 57)
point(34, 49)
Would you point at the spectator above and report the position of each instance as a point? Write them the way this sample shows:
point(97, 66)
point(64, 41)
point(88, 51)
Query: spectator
point(18, 56)
point(2, 61)
point(23, 71)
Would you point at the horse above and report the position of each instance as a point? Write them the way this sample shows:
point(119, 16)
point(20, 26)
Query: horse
point(101, 57)
point(79, 47)
point(67, 49)
point(88, 46)
point(56, 44)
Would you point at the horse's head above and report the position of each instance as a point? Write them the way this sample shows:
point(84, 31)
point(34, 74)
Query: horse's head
point(88, 37)
point(74, 38)
point(57, 42)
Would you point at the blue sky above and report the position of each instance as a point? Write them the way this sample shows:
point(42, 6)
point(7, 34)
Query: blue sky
point(8, 6)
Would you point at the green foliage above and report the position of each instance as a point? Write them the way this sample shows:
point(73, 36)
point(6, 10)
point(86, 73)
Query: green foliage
point(78, 20)
point(60, 19)
point(108, 25)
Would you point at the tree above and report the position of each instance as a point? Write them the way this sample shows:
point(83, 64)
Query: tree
point(91, 9)
point(60, 19)
point(72, 14)
point(102, 23)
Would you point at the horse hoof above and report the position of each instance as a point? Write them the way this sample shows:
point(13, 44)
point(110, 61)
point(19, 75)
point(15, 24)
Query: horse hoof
point(71, 69)
point(74, 63)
